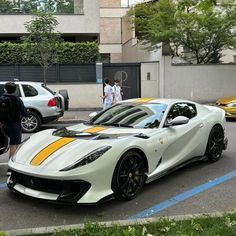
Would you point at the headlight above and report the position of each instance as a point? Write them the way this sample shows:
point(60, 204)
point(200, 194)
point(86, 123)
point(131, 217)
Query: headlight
point(18, 148)
point(90, 157)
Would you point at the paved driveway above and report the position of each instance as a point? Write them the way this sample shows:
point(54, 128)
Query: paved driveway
point(19, 212)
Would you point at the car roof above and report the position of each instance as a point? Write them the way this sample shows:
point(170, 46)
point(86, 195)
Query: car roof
point(24, 82)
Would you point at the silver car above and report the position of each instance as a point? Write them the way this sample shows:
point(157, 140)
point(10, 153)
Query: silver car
point(43, 105)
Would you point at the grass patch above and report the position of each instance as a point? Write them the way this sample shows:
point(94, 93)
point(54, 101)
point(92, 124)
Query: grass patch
point(205, 226)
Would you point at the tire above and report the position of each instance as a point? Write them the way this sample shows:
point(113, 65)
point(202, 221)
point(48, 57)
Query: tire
point(129, 176)
point(64, 94)
point(215, 144)
point(31, 123)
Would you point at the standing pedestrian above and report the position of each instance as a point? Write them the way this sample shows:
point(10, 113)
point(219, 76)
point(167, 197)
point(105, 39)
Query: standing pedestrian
point(117, 91)
point(12, 120)
point(108, 95)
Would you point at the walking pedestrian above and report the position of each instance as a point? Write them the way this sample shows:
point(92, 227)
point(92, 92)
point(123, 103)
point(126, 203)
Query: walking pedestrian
point(108, 96)
point(117, 91)
point(12, 120)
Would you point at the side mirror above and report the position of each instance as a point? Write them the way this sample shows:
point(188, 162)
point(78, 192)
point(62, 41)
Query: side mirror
point(91, 115)
point(179, 120)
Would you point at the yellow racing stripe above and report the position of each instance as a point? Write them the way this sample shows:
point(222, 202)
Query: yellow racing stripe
point(49, 150)
point(94, 129)
point(143, 100)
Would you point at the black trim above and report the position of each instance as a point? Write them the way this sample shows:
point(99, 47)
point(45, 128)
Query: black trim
point(165, 172)
point(69, 191)
point(52, 118)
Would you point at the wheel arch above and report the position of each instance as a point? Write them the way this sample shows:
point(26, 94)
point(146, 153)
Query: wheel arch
point(37, 112)
point(218, 125)
point(213, 156)
point(114, 186)
point(143, 156)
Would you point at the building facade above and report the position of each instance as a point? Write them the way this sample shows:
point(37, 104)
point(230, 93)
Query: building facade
point(103, 21)
point(79, 20)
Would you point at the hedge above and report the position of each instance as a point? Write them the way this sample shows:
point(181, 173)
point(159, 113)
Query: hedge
point(82, 52)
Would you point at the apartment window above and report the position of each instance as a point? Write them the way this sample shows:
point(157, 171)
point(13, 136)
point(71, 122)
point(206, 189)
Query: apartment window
point(30, 6)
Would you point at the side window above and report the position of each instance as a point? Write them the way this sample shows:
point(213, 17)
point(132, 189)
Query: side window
point(29, 91)
point(193, 110)
point(182, 109)
point(174, 112)
point(18, 93)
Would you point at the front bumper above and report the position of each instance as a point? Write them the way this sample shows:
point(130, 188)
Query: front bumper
point(67, 191)
point(52, 118)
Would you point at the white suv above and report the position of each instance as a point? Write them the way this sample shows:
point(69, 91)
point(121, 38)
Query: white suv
point(43, 105)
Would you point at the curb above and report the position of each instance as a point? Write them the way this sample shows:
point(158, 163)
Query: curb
point(53, 229)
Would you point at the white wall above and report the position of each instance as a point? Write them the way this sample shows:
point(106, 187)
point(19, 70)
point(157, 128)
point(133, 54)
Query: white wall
point(81, 95)
point(201, 83)
point(132, 51)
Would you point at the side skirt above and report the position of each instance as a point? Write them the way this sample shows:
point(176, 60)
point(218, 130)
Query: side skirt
point(163, 173)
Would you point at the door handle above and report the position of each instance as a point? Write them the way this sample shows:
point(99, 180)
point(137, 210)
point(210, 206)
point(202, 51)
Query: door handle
point(201, 125)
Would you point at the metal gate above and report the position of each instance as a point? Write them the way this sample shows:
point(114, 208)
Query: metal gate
point(55, 74)
point(128, 75)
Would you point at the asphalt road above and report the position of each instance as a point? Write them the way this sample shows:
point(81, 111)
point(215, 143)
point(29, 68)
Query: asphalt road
point(167, 196)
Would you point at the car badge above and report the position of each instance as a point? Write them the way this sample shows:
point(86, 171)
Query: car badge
point(161, 140)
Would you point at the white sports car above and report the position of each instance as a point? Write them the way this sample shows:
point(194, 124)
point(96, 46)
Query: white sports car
point(117, 151)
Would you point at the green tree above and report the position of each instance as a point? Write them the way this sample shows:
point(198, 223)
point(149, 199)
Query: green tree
point(42, 40)
point(199, 27)
point(53, 6)
point(65, 6)
point(29, 6)
point(6, 6)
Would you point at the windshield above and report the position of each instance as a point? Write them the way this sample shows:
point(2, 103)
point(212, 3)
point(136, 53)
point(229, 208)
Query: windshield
point(147, 115)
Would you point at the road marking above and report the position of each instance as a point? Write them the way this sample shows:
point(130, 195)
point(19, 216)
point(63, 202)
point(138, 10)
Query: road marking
point(3, 164)
point(183, 196)
point(2, 186)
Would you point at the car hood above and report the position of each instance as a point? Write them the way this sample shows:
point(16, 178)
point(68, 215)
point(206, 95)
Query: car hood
point(56, 149)
point(226, 100)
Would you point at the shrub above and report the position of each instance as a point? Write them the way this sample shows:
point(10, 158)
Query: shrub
point(69, 53)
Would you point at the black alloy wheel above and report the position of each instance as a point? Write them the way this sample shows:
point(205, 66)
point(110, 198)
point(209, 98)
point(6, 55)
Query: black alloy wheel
point(215, 144)
point(129, 176)
point(31, 123)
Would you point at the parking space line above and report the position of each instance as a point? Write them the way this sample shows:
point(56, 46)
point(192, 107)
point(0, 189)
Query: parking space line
point(183, 196)
point(2, 186)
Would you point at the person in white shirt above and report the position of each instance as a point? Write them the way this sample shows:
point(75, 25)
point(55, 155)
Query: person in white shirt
point(108, 95)
point(117, 91)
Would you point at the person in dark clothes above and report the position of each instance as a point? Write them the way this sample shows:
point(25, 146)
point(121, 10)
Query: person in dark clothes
point(13, 128)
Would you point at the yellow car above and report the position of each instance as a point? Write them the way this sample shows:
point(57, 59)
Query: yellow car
point(229, 105)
